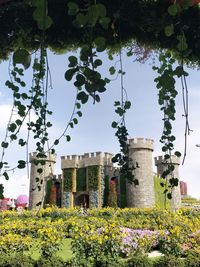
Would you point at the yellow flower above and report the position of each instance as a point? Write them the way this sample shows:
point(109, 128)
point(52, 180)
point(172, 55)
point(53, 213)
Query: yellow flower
point(179, 212)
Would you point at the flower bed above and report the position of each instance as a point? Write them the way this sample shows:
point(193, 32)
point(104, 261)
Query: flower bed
point(103, 235)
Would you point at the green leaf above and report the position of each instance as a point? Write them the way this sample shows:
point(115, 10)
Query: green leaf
point(73, 8)
point(81, 20)
point(4, 144)
point(21, 142)
point(117, 103)
point(22, 56)
point(167, 156)
point(114, 124)
point(12, 127)
point(73, 61)
point(70, 73)
point(97, 63)
point(71, 124)
point(49, 124)
point(178, 154)
point(169, 30)
point(68, 138)
point(79, 113)
point(80, 79)
point(56, 142)
point(112, 70)
point(75, 121)
point(83, 97)
point(169, 195)
point(127, 105)
point(40, 170)
point(100, 41)
point(5, 174)
point(21, 164)
point(104, 22)
point(78, 105)
point(173, 9)
point(119, 111)
point(101, 10)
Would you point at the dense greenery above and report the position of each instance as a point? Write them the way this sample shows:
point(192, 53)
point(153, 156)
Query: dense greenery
point(81, 181)
point(67, 179)
point(103, 237)
point(140, 20)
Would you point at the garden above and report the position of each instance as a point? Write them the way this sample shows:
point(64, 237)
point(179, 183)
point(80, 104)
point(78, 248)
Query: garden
point(100, 237)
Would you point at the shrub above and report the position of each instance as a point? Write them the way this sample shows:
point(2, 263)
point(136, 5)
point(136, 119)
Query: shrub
point(192, 259)
point(170, 261)
point(139, 261)
point(53, 261)
point(16, 260)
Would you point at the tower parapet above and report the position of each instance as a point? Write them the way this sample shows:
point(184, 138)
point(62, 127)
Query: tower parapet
point(141, 143)
point(162, 165)
point(38, 179)
point(140, 152)
point(87, 159)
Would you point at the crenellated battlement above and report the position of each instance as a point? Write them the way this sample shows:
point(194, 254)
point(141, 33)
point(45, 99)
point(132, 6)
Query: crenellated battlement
point(141, 143)
point(87, 159)
point(161, 161)
point(50, 157)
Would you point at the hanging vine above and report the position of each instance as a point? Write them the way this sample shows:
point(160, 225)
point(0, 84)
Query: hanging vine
point(165, 83)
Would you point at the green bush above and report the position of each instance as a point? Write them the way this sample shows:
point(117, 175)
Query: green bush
point(53, 261)
point(139, 261)
point(192, 259)
point(16, 260)
point(170, 261)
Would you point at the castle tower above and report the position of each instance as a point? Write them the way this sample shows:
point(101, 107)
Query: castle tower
point(38, 180)
point(161, 165)
point(142, 195)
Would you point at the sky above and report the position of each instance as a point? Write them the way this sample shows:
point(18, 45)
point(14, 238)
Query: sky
point(94, 132)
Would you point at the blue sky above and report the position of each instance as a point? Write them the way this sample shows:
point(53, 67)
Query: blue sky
point(93, 132)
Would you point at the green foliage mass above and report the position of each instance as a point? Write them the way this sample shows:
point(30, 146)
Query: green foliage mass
point(146, 22)
point(160, 197)
point(81, 179)
point(93, 172)
point(67, 176)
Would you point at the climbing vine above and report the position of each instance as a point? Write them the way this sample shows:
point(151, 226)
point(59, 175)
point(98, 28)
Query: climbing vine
point(93, 176)
point(67, 176)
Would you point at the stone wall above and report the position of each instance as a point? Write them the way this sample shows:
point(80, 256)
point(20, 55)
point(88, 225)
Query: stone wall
point(143, 195)
point(37, 188)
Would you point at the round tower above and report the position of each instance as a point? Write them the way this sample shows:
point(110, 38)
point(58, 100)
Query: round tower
point(38, 179)
point(161, 165)
point(140, 153)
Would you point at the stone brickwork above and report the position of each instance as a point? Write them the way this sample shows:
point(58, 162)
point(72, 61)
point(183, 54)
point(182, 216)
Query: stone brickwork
point(101, 159)
point(36, 195)
point(88, 159)
point(161, 167)
point(143, 195)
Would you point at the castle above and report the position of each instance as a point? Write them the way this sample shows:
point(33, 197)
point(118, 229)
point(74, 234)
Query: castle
point(85, 179)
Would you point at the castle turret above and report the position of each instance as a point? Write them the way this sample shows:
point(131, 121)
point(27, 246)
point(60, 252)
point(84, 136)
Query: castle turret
point(162, 164)
point(38, 179)
point(142, 195)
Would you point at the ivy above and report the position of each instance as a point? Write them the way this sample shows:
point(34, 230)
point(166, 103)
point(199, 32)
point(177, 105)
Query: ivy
point(93, 176)
point(81, 179)
point(67, 176)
